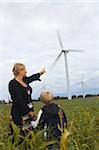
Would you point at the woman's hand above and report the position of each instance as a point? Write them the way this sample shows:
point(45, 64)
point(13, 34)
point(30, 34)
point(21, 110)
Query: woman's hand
point(32, 115)
point(42, 71)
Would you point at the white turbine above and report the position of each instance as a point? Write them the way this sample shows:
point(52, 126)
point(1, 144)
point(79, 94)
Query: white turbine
point(65, 51)
point(83, 85)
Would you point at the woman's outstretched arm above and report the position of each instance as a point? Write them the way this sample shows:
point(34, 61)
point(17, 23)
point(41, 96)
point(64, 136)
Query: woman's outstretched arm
point(34, 77)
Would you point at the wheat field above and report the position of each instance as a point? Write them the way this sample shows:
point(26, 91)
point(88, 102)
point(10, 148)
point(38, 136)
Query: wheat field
point(83, 113)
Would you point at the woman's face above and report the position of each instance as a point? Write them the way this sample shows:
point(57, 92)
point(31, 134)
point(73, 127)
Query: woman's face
point(22, 71)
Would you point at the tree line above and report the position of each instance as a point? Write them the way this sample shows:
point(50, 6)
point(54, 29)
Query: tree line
point(59, 98)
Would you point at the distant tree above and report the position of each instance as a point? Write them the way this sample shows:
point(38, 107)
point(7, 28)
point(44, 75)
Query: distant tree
point(64, 97)
point(35, 100)
point(56, 97)
point(74, 96)
point(88, 95)
point(80, 96)
point(38, 98)
point(3, 101)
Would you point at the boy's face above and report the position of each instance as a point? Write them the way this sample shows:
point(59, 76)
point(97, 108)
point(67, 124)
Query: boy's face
point(47, 97)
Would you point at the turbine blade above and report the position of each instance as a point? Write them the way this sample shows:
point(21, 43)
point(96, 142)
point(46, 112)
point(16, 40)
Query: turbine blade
point(59, 38)
point(54, 63)
point(73, 50)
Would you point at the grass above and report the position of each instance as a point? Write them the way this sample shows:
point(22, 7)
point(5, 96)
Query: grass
point(83, 112)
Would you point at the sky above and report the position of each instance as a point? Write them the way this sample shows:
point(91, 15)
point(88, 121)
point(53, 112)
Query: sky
point(28, 35)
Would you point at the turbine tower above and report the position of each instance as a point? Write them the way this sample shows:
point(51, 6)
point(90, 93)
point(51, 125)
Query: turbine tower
point(83, 85)
point(65, 52)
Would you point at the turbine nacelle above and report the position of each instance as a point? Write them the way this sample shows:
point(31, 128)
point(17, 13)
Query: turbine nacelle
point(71, 50)
point(65, 51)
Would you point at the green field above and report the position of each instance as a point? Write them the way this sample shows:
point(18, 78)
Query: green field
point(83, 112)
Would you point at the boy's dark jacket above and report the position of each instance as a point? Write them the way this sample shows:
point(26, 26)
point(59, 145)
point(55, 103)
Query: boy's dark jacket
point(52, 116)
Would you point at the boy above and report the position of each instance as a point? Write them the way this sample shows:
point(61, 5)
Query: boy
point(50, 117)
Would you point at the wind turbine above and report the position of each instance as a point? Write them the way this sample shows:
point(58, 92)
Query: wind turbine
point(82, 83)
point(65, 52)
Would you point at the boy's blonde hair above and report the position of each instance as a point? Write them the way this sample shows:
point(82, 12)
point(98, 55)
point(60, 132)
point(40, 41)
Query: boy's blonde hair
point(46, 97)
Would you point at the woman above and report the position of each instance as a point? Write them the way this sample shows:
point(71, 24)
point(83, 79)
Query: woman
point(20, 92)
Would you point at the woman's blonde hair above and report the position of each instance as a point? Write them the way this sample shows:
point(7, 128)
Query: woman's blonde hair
point(16, 68)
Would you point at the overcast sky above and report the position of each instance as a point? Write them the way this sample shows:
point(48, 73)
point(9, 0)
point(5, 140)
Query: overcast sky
point(28, 35)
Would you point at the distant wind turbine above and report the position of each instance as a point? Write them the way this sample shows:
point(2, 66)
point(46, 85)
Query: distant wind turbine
point(83, 85)
point(65, 51)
